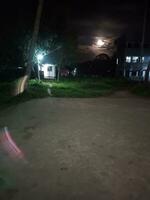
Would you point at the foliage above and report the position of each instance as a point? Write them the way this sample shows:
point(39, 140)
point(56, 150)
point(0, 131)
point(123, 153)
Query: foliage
point(14, 49)
point(85, 87)
point(36, 89)
point(19, 44)
point(141, 89)
point(46, 45)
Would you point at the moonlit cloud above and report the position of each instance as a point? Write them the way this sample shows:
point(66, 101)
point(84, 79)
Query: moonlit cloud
point(108, 20)
point(89, 32)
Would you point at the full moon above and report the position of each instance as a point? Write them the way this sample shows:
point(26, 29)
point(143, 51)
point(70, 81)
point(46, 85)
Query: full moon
point(100, 43)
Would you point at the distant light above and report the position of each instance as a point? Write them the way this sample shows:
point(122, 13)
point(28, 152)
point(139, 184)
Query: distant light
point(135, 59)
point(100, 43)
point(128, 59)
point(117, 61)
point(143, 59)
point(40, 57)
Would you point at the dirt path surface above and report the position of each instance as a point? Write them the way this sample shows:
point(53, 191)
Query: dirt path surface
point(80, 149)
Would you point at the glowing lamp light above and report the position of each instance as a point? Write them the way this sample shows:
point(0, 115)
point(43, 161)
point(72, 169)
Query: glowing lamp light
point(100, 43)
point(40, 57)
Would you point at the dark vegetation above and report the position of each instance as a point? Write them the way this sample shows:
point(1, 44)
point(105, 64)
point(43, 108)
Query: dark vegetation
point(74, 87)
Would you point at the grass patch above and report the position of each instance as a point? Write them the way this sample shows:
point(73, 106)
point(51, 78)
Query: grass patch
point(142, 90)
point(85, 87)
point(35, 90)
point(76, 88)
point(5, 91)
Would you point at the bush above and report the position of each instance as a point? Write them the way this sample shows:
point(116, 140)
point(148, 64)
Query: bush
point(141, 90)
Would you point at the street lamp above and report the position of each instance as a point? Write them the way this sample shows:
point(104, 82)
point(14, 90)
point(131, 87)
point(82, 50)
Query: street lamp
point(39, 58)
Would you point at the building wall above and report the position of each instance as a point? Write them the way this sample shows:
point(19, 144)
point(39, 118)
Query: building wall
point(129, 63)
point(49, 71)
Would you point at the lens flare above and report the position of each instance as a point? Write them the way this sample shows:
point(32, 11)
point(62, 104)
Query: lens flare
point(9, 146)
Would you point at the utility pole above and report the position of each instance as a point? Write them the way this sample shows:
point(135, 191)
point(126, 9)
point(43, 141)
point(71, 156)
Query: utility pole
point(34, 38)
point(144, 29)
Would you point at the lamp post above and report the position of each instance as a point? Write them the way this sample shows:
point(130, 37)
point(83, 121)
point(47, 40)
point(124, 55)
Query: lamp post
point(39, 58)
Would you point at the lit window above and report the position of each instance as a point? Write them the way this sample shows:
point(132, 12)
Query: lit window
point(128, 59)
point(142, 59)
point(135, 59)
point(117, 61)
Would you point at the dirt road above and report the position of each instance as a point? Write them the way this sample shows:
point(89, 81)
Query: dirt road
point(80, 149)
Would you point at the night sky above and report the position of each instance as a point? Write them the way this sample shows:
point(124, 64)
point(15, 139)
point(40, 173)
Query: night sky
point(88, 19)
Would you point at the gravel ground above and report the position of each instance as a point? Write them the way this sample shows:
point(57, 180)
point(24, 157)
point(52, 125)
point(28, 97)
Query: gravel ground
point(80, 149)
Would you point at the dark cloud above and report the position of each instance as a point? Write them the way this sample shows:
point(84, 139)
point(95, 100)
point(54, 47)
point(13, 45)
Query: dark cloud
point(103, 26)
point(90, 30)
point(90, 19)
point(109, 20)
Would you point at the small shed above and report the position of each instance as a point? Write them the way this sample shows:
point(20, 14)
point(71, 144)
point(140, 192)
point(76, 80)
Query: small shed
point(49, 66)
point(49, 71)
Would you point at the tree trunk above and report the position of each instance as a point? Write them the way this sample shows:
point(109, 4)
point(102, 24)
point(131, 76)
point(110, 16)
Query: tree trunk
point(34, 39)
point(39, 78)
point(144, 29)
point(60, 66)
point(58, 73)
point(147, 74)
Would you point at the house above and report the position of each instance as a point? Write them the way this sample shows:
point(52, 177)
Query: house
point(48, 70)
point(130, 62)
point(48, 67)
